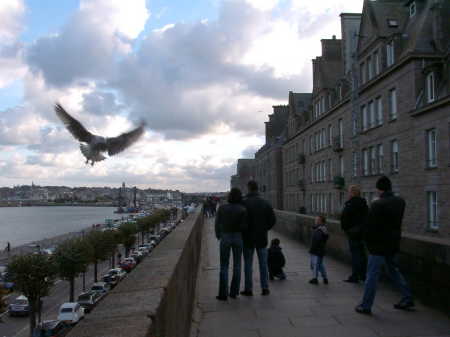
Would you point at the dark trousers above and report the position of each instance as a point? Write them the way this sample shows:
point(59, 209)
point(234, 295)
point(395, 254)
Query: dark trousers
point(359, 259)
point(230, 242)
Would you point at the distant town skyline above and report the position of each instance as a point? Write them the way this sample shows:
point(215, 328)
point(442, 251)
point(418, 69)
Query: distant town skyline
point(204, 76)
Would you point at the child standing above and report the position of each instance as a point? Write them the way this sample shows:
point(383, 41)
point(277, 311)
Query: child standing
point(317, 250)
point(276, 261)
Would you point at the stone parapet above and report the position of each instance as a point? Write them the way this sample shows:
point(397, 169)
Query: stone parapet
point(156, 298)
point(425, 261)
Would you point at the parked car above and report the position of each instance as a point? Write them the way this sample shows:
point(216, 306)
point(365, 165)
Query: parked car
point(53, 328)
point(155, 237)
point(112, 280)
point(119, 272)
point(71, 312)
point(138, 256)
point(19, 307)
point(101, 287)
point(88, 300)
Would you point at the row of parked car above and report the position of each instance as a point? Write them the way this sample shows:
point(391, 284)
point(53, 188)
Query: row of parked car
point(72, 312)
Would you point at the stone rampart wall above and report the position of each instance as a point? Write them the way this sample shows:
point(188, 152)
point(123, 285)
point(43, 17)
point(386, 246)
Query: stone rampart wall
point(156, 298)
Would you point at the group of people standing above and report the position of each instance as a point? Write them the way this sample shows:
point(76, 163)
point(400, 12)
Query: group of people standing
point(242, 224)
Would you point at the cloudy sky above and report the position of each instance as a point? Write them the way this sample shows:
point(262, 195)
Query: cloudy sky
point(204, 76)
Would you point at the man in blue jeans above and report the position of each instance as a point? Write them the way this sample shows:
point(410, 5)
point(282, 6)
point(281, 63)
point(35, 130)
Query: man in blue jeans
point(260, 219)
point(382, 236)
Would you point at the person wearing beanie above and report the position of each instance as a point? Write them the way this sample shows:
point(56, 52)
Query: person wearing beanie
point(382, 236)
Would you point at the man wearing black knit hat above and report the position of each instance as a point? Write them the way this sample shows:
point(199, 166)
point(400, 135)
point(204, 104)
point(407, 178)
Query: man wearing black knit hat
point(382, 236)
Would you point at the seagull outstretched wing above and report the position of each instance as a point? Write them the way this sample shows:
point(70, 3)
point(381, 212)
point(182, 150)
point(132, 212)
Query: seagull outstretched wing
point(120, 143)
point(74, 126)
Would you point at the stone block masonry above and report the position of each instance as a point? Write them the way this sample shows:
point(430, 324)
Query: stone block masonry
point(155, 299)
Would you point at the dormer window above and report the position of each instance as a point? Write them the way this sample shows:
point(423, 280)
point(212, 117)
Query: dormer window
point(431, 88)
point(390, 56)
point(412, 9)
point(393, 23)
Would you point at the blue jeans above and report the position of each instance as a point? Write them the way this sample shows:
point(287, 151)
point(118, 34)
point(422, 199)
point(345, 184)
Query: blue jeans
point(230, 242)
point(317, 266)
point(359, 259)
point(263, 268)
point(373, 274)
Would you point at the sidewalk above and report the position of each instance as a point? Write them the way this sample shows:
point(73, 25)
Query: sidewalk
point(297, 309)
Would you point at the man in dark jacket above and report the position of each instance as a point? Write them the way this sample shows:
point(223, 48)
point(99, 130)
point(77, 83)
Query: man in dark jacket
point(353, 217)
point(382, 235)
point(261, 218)
point(231, 220)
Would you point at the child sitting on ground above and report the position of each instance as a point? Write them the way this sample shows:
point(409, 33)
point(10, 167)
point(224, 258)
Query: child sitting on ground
point(317, 250)
point(276, 261)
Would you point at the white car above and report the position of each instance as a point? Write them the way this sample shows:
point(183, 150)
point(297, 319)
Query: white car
point(71, 312)
point(101, 287)
point(119, 272)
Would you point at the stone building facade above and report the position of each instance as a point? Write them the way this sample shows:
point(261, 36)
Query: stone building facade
point(268, 159)
point(245, 171)
point(380, 106)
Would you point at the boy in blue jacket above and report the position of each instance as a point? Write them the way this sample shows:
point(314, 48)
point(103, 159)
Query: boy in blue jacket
point(317, 250)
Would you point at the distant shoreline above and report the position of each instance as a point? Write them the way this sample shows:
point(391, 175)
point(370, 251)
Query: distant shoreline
point(16, 204)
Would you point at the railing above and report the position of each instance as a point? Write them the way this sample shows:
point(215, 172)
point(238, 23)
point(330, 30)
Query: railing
point(339, 182)
point(301, 184)
point(301, 158)
point(337, 144)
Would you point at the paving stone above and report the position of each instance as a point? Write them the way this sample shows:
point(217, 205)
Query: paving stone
point(295, 308)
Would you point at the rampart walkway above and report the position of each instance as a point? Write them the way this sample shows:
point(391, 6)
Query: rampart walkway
point(297, 309)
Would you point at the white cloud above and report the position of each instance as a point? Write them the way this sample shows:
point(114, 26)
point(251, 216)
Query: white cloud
point(11, 14)
point(11, 25)
point(124, 17)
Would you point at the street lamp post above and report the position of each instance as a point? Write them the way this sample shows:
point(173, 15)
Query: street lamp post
point(84, 272)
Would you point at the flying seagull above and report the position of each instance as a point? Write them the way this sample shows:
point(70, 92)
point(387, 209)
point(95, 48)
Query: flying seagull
point(92, 146)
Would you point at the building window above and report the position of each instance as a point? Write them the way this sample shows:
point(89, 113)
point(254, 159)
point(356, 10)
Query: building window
point(322, 105)
point(380, 158)
point(431, 148)
point(431, 88)
point(390, 53)
point(341, 132)
point(379, 104)
point(432, 210)
point(370, 67)
point(394, 156)
point(393, 104)
point(312, 174)
point(355, 164)
point(311, 144)
point(376, 62)
point(365, 155)
point(330, 102)
point(362, 71)
point(364, 119)
point(373, 160)
point(330, 135)
point(372, 114)
point(341, 165)
point(340, 92)
point(330, 169)
point(412, 9)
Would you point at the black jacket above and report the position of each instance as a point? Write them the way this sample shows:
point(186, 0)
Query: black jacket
point(384, 225)
point(230, 218)
point(261, 218)
point(354, 216)
point(318, 241)
point(275, 259)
